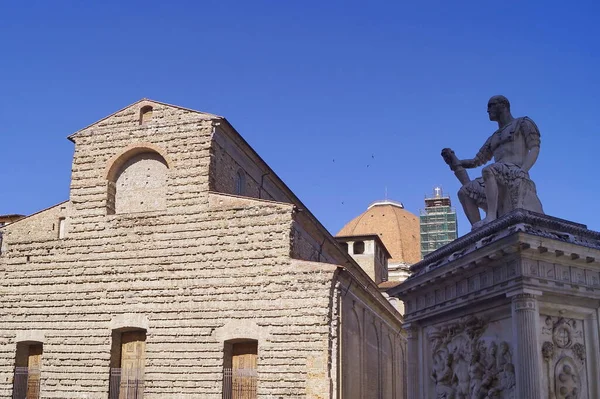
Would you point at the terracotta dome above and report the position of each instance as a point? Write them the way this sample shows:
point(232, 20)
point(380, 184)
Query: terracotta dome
point(397, 228)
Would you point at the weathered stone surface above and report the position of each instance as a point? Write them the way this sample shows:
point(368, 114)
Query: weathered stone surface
point(533, 282)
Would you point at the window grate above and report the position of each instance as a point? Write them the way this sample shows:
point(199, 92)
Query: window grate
point(239, 383)
point(126, 384)
point(26, 384)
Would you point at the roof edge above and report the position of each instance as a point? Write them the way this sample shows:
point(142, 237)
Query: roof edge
point(386, 202)
point(71, 136)
point(37, 213)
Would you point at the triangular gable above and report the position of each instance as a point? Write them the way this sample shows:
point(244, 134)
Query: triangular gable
point(146, 101)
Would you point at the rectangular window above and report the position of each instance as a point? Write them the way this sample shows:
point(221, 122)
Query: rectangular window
point(26, 382)
point(128, 356)
point(61, 228)
point(239, 370)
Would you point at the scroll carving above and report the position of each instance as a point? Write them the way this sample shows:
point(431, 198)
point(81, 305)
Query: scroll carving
point(465, 366)
point(567, 382)
point(564, 355)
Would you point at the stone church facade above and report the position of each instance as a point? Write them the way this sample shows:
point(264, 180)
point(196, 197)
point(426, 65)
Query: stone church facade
point(182, 267)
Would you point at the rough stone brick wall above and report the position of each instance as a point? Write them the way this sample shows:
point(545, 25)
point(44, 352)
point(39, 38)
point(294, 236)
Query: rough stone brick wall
point(41, 226)
point(74, 294)
point(208, 268)
point(182, 137)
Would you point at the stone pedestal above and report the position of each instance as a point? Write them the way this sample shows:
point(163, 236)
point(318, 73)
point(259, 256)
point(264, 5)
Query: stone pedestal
point(507, 311)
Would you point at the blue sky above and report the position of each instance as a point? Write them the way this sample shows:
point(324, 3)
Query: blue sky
point(342, 98)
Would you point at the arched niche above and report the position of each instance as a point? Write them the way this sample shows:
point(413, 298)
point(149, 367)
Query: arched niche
point(351, 355)
point(137, 181)
point(372, 362)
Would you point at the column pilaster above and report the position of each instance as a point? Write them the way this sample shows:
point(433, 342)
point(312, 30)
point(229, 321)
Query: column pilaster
point(593, 364)
point(525, 315)
point(412, 361)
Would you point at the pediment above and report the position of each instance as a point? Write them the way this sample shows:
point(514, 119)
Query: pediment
point(131, 115)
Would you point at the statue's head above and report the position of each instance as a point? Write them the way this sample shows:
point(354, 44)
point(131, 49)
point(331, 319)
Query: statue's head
point(496, 106)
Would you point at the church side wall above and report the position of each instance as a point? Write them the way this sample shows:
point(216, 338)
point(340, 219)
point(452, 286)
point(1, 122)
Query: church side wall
point(231, 157)
point(373, 346)
point(226, 168)
point(310, 244)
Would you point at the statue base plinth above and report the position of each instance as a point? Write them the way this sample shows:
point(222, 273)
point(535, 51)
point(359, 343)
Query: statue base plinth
point(509, 311)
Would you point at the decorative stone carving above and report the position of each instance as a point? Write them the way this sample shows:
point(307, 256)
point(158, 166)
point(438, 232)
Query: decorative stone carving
point(505, 184)
point(567, 379)
point(442, 375)
point(562, 334)
point(465, 366)
point(579, 351)
point(548, 351)
point(564, 354)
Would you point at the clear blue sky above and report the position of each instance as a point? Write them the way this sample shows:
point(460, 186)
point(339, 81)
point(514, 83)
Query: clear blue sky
point(341, 98)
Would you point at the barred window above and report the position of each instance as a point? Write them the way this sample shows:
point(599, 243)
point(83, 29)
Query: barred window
point(26, 381)
point(239, 369)
point(127, 361)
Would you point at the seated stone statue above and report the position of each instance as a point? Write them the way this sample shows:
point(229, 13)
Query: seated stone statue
point(505, 184)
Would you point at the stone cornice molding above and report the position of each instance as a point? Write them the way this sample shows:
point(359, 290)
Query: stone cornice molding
point(519, 217)
point(518, 221)
point(520, 253)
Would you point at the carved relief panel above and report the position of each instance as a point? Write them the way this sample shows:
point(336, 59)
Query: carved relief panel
point(467, 363)
point(563, 352)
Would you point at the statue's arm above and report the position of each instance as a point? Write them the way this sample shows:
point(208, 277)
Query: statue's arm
point(482, 157)
point(471, 163)
point(455, 165)
point(532, 142)
point(531, 157)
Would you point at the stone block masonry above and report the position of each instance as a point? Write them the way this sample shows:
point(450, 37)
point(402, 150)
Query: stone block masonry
point(204, 267)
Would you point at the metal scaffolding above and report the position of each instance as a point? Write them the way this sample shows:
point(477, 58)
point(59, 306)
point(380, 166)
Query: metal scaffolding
point(438, 222)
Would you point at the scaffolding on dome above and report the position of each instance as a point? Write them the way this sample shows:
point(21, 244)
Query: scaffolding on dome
point(438, 224)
